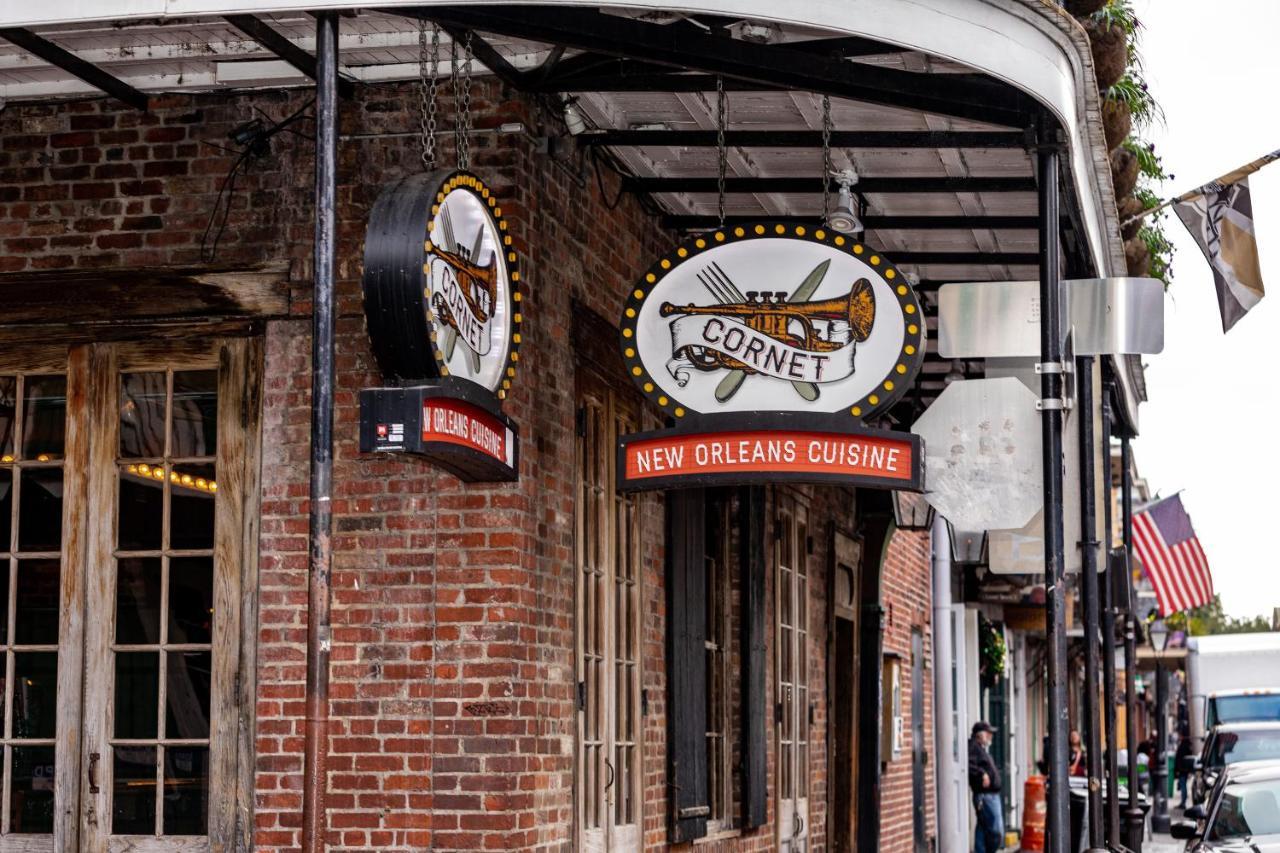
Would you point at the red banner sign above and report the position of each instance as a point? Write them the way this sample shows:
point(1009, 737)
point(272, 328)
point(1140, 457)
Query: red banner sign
point(761, 455)
point(457, 422)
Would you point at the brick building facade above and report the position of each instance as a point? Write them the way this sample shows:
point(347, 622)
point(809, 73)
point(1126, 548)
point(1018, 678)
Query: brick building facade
point(455, 706)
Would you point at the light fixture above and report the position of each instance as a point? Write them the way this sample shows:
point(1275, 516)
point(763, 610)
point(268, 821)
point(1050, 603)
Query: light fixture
point(911, 511)
point(573, 118)
point(968, 547)
point(844, 218)
point(1158, 634)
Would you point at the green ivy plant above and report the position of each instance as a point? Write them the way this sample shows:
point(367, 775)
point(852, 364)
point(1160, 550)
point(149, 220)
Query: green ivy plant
point(991, 648)
point(1152, 233)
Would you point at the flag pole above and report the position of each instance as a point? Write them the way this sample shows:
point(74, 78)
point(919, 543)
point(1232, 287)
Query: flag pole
point(1229, 178)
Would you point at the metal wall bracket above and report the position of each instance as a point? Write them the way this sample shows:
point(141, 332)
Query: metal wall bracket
point(1051, 404)
point(1061, 367)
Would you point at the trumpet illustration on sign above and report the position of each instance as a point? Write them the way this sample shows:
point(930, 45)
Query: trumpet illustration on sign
point(808, 343)
point(465, 293)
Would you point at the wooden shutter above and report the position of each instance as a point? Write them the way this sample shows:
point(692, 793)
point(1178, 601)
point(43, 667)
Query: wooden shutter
point(687, 664)
point(755, 719)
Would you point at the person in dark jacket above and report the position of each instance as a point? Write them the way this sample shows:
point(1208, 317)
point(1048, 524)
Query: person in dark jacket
point(984, 781)
point(1179, 766)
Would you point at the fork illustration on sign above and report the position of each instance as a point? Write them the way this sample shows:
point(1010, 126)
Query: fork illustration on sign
point(722, 288)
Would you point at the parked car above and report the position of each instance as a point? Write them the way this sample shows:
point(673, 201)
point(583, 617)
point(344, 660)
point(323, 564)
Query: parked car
point(1230, 744)
point(1240, 815)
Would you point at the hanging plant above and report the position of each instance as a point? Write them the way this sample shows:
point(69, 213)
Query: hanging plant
point(992, 651)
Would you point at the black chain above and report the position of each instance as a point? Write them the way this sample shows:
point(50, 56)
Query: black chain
point(722, 162)
point(428, 91)
point(464, 141)
point(827, 168)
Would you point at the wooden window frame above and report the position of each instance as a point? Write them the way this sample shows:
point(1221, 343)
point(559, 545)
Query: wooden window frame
point(720, 683)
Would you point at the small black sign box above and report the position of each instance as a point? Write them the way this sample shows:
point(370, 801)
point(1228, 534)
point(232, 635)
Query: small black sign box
point(454, 424)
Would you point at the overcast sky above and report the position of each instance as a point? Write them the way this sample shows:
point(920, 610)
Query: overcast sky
point(1210, 427)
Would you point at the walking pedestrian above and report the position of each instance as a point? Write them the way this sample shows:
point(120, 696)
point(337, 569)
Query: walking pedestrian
point(984, 781)
point(1180, 761)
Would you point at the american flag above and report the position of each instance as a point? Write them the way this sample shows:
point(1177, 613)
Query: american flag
point(1171, 556)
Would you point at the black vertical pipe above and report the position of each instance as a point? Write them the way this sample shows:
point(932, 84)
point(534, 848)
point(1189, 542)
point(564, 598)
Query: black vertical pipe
point(1089, 594)
point(1051, 390)
point(1109, 636)
point(320, 517)
point(1160, 761)
point(1132, 812)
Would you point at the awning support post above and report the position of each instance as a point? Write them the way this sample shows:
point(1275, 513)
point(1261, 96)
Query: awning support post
point(1109, 635)
point(1133, 812)
point(1089, 586)
point(320, 550)
point(1052, 345)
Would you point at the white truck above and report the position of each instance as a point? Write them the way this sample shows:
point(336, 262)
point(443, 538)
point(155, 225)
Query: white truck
point(1232, 678)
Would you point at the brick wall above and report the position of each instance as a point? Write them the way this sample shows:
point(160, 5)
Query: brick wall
point(460, 737)
point(906, 584)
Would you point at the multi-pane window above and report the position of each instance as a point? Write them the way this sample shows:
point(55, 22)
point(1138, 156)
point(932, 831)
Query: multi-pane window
point(164, 572)
point(608, 540)
point(792, 604)
point(33, 412)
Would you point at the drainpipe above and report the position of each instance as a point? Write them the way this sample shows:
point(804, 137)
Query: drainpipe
point(1133, 812)
point(320, 545)
point(1051, 393)
point(952, 830)
point(1109, 636)
point(1089, 587)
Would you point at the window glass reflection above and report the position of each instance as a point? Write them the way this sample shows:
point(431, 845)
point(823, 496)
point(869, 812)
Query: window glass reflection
point(40, 513)
point(31, 799)
point(137, 692)
point(191, 507)
point(186, 790)
point(133, 795)
point(8, 414)
point(138, 600)
point(142, 400)
point(187, 694)
point(190, 599)
point(44, 419)
point(195, 413)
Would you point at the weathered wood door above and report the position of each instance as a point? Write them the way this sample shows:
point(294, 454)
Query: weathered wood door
point(172, 463)
point(608, 539)
point(791, 598)
point(125, 471)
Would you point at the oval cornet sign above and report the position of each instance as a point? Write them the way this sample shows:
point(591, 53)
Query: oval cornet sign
point(773, 317)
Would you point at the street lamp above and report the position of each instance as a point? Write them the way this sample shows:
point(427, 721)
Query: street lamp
point(968, 547)
point(1158, 634)
point(911, 511)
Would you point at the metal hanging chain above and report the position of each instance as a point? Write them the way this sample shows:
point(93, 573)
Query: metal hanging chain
point(722, 162)
point(455, 80)
point(827, 168)
point(428, 91)
point(464, 142)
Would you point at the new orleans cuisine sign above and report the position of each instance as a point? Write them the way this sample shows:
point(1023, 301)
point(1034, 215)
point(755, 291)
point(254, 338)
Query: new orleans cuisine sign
point(769, 344)
point(442, 303)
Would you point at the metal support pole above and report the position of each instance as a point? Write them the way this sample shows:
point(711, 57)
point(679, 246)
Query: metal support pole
point(316, 748)
point(1051, 391)
point(1089, 595)
point(1160, 761)
point(1109, 637)
point(953, 813)
point(1132, 812)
